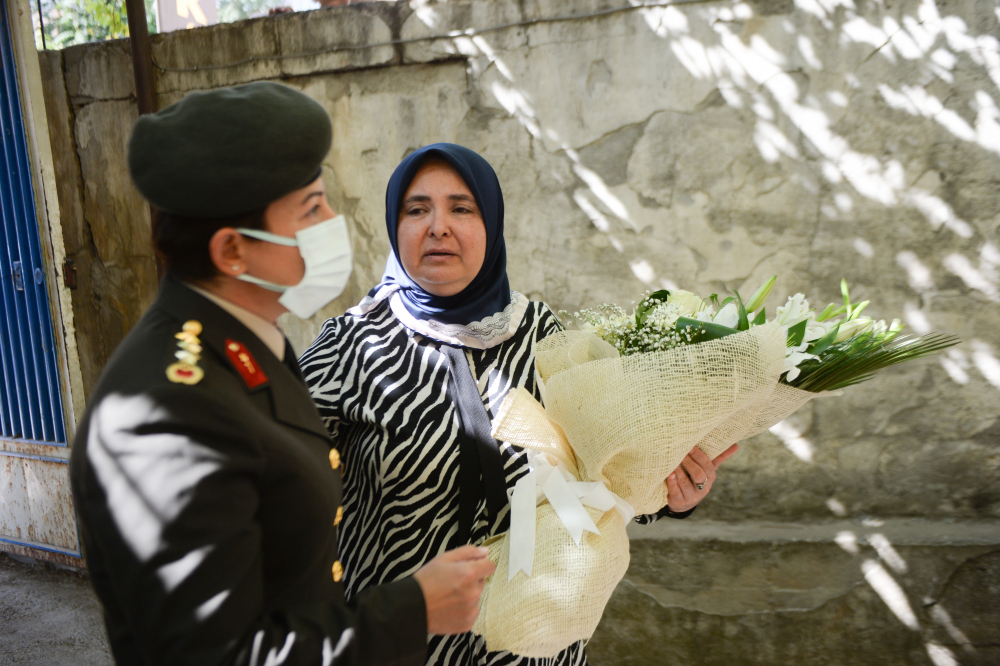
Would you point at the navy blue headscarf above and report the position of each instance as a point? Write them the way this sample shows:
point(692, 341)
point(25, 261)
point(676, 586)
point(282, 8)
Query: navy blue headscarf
point(489, 291)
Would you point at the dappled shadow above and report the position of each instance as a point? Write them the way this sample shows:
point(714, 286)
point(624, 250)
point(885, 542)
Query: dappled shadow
point(934, 69)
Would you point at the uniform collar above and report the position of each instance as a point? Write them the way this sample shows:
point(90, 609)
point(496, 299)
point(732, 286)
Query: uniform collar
point(269, 333)
point(290, 398)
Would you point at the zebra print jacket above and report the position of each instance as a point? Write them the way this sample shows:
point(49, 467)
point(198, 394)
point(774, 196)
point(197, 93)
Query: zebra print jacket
point(383, 392)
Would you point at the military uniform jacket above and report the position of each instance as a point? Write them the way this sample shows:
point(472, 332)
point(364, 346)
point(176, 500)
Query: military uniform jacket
point(207, 509)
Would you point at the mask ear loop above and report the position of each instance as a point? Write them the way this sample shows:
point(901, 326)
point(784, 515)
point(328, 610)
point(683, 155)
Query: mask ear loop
point(245, 277)
point(269, 237)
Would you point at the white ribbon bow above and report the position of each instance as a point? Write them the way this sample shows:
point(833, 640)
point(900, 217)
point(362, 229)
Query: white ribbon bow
point(555, 483)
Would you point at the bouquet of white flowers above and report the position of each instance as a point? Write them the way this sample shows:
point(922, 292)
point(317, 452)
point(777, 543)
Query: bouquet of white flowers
point(625, 399)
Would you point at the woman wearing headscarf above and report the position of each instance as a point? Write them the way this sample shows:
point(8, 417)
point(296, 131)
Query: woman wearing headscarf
point(408, 381)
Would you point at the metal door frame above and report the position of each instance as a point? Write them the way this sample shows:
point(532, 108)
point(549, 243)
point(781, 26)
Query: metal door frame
point(22, 78)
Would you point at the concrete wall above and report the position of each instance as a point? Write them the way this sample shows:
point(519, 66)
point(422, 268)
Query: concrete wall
point(705, 145)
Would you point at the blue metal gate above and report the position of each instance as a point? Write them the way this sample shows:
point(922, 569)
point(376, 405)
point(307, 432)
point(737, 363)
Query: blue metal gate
point(30, 399)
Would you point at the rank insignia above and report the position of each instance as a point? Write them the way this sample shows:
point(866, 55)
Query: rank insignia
point(186, 370)
point(245, 364)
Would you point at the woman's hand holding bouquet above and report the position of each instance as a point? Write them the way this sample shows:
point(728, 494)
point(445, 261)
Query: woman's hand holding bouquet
point(692, 480)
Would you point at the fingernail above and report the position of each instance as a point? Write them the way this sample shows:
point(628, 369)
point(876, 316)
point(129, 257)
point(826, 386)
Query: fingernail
point(673, 477)
point(484, 551)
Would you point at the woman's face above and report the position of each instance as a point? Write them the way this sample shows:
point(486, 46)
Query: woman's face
point(441, 235)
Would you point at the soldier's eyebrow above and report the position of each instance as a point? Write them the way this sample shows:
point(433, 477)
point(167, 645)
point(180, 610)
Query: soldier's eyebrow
point(315, 193)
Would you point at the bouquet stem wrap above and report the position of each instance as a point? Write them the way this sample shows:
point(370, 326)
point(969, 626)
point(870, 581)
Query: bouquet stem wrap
point(623, 423)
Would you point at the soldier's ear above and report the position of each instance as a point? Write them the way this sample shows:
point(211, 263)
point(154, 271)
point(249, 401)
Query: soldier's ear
point(227, 248)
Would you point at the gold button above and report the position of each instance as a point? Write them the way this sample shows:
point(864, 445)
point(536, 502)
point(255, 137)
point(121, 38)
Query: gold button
point(234, 347)
point(193, 327)
point(334, 458)
point(339, 517)
point(338, 571)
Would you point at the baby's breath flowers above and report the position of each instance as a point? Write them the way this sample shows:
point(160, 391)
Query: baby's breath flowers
point(651, 328)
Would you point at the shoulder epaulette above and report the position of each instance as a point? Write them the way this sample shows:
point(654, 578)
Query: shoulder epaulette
point(186, 370)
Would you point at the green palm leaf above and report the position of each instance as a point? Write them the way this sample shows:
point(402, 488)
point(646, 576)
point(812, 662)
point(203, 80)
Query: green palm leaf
point(858, 359)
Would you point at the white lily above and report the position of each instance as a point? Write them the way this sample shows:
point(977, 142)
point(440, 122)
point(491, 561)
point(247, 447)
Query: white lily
point(727, 316)
point(794, 357)
point(849, 329)
point(816, 330)
point(890, 330)
point(795, 310)
point(792, 362)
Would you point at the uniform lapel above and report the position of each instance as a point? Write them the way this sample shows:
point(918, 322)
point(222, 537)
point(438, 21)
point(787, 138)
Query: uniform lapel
point(290, 400)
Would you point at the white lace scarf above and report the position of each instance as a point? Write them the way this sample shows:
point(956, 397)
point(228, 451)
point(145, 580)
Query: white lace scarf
point(483, 334)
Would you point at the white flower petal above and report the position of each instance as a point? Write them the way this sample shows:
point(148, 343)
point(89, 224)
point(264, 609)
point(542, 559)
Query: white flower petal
point(686, 302)
point(849, 329)
point(704, 315)
point(727, 316)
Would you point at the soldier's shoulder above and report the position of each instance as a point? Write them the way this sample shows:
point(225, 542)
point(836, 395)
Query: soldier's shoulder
point(159, 351)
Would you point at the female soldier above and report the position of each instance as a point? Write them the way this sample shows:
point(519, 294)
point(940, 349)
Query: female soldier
point(206, 486)
point(405, 380)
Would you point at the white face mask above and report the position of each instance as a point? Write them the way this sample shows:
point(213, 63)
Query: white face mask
point(326, 251)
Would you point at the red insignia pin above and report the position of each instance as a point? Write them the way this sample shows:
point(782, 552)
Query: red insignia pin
point(245, 364)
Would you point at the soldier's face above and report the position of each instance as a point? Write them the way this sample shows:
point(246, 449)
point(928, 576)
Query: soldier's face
point(293, 212)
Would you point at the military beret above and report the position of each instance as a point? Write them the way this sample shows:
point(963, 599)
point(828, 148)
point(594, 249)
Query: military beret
point(229, 151)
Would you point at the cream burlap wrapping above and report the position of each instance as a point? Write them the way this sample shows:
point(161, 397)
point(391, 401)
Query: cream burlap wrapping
point(627, 422)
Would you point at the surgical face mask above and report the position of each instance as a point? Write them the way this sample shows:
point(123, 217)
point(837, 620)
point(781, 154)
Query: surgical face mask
point(326, 251)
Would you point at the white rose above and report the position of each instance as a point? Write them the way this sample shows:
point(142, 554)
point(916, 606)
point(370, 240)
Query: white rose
point(687, 303)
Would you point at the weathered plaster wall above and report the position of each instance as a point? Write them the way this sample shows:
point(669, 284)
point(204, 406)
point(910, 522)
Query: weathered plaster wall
point(105, 223)
point(703, 145)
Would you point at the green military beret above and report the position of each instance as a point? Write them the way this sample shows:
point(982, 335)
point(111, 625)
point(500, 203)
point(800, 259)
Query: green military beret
point(229, 151)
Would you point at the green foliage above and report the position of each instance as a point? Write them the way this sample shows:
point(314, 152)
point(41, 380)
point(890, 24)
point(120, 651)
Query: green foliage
point(69, 22)
point(744, 322)
point(856, 359)
point(797, 333)
point(237, 10)
point(151, 16)
point(761, 294)
point(703, 331)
